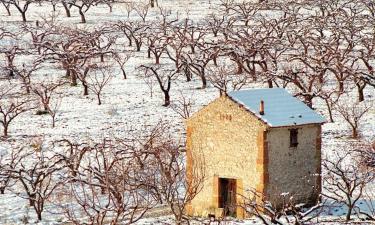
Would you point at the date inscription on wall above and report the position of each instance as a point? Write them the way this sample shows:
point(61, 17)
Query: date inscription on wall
point(225, 117)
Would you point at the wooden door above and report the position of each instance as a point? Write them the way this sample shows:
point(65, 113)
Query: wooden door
point(227, 196)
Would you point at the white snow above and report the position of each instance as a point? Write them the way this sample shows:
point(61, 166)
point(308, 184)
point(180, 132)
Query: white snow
point(128, 106)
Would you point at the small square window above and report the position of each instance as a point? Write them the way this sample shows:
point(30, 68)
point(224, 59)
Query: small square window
point(293, 138)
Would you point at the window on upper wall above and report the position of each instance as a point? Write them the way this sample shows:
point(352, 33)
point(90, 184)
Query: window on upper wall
point(293, 138)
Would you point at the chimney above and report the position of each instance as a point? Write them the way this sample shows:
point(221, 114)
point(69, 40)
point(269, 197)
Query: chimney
point(261, 107)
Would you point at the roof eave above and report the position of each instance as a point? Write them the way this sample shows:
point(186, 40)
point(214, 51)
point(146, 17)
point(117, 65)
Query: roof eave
point(297, 125)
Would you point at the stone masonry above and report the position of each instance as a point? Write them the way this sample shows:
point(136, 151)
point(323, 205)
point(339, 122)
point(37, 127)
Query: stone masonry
point(238, 145)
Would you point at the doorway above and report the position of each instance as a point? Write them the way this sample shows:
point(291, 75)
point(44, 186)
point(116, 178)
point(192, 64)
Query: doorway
point(227, 196)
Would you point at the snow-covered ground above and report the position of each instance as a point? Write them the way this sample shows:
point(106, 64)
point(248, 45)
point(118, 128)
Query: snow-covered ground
point(128, 105)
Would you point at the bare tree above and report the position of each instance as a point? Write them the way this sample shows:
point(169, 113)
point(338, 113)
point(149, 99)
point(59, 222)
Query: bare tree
point(134, 31)
point(164, 79)
point(330, 97)
point(225, 79)
point(45, 28)
point(98, 79)
point(157, 44)
point(37, 174)
point(72, 154)
point(45, 91)
point(7, 7)
point(166, 22)
point(183, 106)
point(307, 84)
point(121, 60)
point(215, 23)
point(254, 203)
point(197, 65)
point(67, 6)
point(12, 104)
point(129, 7)
point(175, 184)
point(346, 179)
point(108, 3)
point(175, 47)
point(10, 54)
point(21, 6)
point(73, 48)
point(245, 10)
point(142, 10)
point(9, 159)
point(106, 189)
point(353, 112)
point(83, 70)
point(83, 6)
point(25, 71)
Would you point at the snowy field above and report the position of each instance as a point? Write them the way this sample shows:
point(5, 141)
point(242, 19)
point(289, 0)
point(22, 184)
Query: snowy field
point(130, 105)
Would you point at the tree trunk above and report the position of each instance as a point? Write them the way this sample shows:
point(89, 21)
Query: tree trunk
point(23, 16)
point(341, 86)
point(157, 59)
point(85, 89)
point(39, 214)
point(32, 200)
point(83, 18)
point(177, 64)
point(5, 127)
point(8, 10)
point(214, 59)
point(2, 190)
point(53, 122)
point(27, 86)
point(130, 41)
point(123, 73)
point(99, 100)
point(308, 100)
point(270, 84)
point(349, 213)
point(138, 46)
point(187, 74)
point(361, 96)
point(54, 8)
point(354, 132)
point(329, 110)
point(152, 3)
point(67, 10)
point(204, 81)
point(166, 98)
point(73, 77)
point(192, 49)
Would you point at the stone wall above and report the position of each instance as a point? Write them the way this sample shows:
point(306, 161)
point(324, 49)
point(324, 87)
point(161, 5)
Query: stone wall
point(228, 136)
point(238, 145)
point(294, 169)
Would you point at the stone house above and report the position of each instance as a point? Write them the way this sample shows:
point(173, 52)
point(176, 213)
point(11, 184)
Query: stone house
point(264, 140)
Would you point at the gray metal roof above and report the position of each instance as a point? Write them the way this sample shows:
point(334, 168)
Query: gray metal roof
point(280, 107)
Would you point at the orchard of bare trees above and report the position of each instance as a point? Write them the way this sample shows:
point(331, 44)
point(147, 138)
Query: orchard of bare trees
point(322, 51)
point(110, 181)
